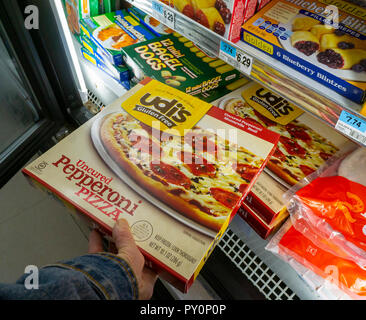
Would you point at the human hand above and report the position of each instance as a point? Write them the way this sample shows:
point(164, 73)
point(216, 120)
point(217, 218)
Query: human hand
point(126, 248)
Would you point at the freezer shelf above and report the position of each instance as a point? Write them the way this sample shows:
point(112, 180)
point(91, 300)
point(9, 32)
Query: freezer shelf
point(309, 95)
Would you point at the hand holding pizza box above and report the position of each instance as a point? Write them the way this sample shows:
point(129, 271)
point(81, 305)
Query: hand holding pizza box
point(176, 168)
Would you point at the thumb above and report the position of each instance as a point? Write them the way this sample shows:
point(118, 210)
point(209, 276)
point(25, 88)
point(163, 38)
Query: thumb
point(126, 246)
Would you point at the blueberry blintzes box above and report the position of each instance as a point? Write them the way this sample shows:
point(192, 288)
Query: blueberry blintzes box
point(324, 40)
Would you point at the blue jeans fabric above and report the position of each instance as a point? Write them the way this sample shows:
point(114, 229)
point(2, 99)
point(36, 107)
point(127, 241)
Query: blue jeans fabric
point(100, 276)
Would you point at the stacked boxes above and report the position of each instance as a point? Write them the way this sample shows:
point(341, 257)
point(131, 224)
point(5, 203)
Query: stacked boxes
point(176, 61)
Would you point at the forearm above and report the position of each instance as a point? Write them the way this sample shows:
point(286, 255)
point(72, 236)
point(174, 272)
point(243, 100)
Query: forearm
point(93, 276)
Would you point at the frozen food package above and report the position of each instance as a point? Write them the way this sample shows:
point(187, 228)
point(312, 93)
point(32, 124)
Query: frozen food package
point(330, 276)
point(329, 206)
point(323, 40)
point(166, 162)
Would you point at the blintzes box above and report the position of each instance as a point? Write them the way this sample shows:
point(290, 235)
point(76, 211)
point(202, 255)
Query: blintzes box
point(172, 165)
point(324, 40)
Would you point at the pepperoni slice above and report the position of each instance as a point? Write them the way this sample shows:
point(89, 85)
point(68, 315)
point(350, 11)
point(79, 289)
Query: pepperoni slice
point(171, 174)
point(145, 145)
point(243, 187)
point(292, 147)
point(198, 165)
point(227, 198)
point(200, 142)
point(246, 171)
point(279, 154)
point(306, 170)
point(325, 156)
point(264, 119)
point(298, 133)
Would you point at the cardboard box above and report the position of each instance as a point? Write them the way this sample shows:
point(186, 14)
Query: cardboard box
point(112, 31)
point(250, 9)
point(311, 38)
point(258, 225)
point(117, 73)
point(116, 165)
point(176, 61)
point(150, 22)
point(265, 199)
point(305, 143)
point(224, 17)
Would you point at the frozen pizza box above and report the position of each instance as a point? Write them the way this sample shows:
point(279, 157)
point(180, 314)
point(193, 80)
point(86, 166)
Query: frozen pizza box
point(305, 142)
point(324, 40)
point(176, 61)
point(112, 31)
point(225, 17)
point(257, 224)
point(265, 199)
point(169, 163)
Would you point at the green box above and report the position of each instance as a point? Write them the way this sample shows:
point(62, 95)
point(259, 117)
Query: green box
point(176, 61)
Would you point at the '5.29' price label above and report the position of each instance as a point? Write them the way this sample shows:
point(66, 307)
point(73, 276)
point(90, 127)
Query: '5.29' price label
point(163, 14)
point(236, 57)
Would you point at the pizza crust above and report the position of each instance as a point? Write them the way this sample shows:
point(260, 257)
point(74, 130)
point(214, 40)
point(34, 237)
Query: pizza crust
point(154, 187)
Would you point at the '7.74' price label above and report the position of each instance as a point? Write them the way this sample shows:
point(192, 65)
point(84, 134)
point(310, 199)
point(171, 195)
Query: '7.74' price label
point(352, 126)
point(236, 57)
point(163, 14)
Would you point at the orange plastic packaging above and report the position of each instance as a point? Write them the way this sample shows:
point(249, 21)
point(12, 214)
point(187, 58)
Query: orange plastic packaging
point(334, 209)
point(346, 274)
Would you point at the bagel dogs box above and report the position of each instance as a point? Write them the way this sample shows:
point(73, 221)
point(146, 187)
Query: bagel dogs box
point(176, 168)
point(324, 40)
point(176, 61)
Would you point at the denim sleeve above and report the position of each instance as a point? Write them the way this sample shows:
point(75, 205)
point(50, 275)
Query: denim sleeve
point(100, 276)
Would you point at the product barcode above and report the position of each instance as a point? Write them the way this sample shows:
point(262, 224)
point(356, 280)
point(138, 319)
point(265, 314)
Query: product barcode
point(357, 136)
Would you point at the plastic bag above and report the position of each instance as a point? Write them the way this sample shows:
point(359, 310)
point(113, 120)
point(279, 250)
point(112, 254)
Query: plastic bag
point(330, 210)
point(330, 276)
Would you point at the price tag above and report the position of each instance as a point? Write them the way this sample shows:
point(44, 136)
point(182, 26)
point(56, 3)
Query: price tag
point(352, 126)
point(163, 14)
point(236, 57)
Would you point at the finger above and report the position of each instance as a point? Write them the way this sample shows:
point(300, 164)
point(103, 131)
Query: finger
point(149, 278)
point(126, 245)
point(95, 242)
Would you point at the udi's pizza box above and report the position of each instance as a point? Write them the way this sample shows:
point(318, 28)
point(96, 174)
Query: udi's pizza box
point(175, 167)
point(324, 40)
point(225, 17)
point(263, 229)
point(305, 143)
point(266, 199)
point(176, 61)
point(112, 31)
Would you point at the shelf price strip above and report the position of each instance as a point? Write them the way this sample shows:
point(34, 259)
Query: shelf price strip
point(236, 57)
point(352, 126)
point(163, 14)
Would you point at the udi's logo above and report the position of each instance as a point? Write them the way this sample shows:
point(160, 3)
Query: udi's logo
point(276, 105)
point(169, 112)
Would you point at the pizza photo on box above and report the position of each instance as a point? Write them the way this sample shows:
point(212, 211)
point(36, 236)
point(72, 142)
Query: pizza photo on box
point(305, 142)
point(200, 175)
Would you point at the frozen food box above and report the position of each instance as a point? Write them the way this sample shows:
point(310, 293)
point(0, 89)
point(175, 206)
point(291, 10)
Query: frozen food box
point(324, 40)
point(225, 17)
point(257, 224)
point(167, 162)
point(112, 31)
point(176, 61)
point(118, 73)
point(150, 22)
point(265, 199)
point(305, 142)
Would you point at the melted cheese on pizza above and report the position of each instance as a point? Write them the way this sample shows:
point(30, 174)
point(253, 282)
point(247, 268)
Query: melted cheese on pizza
point(207, 165)
point(300, 150)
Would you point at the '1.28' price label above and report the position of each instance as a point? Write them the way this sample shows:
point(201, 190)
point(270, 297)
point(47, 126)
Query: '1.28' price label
point(164, 14)
point(352, 126)
point(236, 57)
